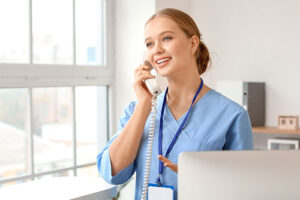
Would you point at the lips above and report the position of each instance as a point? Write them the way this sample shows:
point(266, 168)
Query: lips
point(160, 62)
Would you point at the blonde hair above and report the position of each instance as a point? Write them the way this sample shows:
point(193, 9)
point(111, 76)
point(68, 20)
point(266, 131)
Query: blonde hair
point(189, 27)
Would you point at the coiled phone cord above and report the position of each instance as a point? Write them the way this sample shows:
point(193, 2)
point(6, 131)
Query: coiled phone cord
point(149, 149)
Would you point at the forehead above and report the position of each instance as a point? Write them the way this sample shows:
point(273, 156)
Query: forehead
point(159, 25)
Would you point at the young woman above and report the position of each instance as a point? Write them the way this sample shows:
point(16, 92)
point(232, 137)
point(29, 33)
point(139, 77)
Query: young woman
point(176, 50)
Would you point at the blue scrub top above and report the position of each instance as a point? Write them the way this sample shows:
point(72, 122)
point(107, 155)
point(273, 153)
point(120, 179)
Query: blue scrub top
point(215, 123)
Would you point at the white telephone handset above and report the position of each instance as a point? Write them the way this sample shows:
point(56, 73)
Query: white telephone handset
point(156, 85)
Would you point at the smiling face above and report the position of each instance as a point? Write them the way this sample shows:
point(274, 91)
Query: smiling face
point(169, 50)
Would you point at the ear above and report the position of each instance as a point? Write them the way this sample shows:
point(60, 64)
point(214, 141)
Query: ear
point(194, 44)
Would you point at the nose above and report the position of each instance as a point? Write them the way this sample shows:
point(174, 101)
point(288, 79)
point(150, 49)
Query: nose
point(158, 48)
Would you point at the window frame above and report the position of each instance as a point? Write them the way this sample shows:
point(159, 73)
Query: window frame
point(29, 76)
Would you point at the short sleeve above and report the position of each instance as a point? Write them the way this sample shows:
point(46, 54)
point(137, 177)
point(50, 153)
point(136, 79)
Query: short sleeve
point(239, 136)
point(103, 158)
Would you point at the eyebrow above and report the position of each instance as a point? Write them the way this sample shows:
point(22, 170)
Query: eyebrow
point(162, 33)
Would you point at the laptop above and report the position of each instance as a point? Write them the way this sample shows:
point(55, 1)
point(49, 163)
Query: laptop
point(239, 175)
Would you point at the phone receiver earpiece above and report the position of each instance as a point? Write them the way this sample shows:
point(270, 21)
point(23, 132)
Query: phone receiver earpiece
point(153, 86)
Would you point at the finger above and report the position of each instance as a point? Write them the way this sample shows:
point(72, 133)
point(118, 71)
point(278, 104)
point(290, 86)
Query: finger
point(168, 163)
point(163, 159)
point(141, 66)
point(144, 67)
point(147, 67)
point(143, 75)
point(140, 70)
point(172, 166)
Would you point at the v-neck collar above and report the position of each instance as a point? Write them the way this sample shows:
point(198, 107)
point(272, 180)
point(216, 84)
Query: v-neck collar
point(179, 120)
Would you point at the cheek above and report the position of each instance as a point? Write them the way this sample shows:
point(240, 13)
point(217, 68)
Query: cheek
point(181, 51)
point(148, 56)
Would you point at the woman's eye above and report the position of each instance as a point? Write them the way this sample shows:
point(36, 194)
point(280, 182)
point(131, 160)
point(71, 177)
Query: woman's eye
point(148, 44)
point(167, 38)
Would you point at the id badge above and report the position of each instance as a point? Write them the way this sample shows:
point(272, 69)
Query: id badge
point(164, 192)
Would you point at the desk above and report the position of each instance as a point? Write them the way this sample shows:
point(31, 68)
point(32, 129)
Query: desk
point(60, 188)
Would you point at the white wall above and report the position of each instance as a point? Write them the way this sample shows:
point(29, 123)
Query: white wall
point(131, 16)
point(183, 5)
point(253, 40)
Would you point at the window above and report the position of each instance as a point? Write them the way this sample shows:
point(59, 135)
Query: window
point(14, 33)
point(55, 84)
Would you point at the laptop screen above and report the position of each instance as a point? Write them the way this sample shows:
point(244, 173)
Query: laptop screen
point(247, 175)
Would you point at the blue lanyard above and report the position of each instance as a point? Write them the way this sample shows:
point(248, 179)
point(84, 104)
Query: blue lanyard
point(161, 166)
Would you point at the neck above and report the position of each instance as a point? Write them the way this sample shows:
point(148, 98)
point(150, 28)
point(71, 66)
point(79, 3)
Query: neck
point(183, 86)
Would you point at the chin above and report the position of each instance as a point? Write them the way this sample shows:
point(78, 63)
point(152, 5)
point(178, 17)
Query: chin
point(163, 71)
point(170, 71)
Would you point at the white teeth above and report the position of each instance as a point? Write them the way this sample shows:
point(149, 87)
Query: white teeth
point(162, 60)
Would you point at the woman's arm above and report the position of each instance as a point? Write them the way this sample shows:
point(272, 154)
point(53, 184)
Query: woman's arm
point(124, 148)
point(239, 136)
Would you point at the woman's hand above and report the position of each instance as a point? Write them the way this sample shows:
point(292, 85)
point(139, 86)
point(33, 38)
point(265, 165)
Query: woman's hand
point(168, 163)
point(141, 74)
